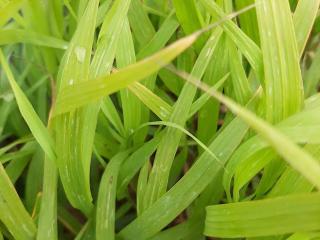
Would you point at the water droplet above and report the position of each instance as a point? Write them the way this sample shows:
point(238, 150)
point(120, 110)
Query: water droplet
point(208, 53)
point(8, 97)
point(163, 112)
point(80, 53)
point(71, 82)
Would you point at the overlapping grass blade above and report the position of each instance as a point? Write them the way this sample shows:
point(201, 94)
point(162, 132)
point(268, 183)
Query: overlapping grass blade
point(159, 175)
point(83, 93)
point(293, 154)
point(8, 10)
point(188, 187)
point(72, 143)
point(247, 47)
point(283, 82)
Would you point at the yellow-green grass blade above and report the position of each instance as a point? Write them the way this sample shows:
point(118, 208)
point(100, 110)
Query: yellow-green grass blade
point(303, 19)
point(72, 141)
point(7, 11)
point(83, 93)
point(283, 83)
point(12, 212)
point(283, 215)
point(156, 104)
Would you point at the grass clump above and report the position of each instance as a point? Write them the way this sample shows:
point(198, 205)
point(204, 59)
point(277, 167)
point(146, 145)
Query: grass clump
point(180, 119)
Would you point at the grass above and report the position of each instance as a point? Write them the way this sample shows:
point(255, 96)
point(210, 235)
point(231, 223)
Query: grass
point(159, 120)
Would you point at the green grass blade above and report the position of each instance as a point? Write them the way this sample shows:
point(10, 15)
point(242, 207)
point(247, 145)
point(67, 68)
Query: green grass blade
point(83, 93)
point(311, 76)
point(72, 143)
point(303, 22)
point(9, 10)
point(36, 126)
point(247, 47)
point(159, 176)
point(12, 212)
point(283, 83)
point(285, 147)
point(186, 190)
point(11, 36)
point(47, 225)
point(125, 56)
point(105, 212)
point(248, 21)
point(265, 217)
point(190, 18)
